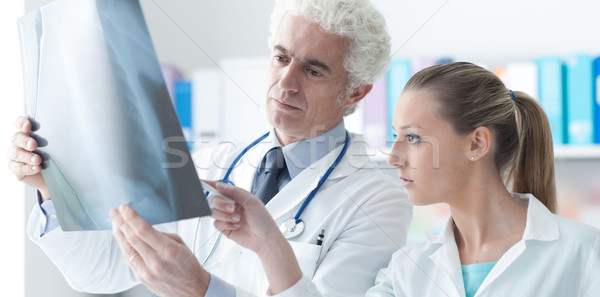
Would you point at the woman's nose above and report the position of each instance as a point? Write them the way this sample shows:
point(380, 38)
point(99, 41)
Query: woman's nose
point(396, 158)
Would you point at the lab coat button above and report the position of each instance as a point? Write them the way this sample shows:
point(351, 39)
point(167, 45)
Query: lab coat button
point(53, 216)
point(310, 289)
point(237, 251)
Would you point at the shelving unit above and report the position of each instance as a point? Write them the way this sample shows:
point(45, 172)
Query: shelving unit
point(577, 152)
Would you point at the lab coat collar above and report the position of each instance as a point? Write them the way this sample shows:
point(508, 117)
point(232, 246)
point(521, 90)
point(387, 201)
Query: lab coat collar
point(447, 235)
point(298, 188)
point(302, 154)
point(541, 225)
point(447, 259)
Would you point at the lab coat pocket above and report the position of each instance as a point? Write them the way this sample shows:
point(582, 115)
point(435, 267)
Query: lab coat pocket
point(307, 255)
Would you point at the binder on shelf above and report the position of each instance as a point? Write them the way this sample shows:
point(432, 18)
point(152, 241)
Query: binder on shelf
point(552, 96)
point(375, 124)
point(398, 75)
point(597, 99)
point(443, 60)
point(183, 106)
point(498, 71)
point(355, 122)
point(171, 74)
point(206, 105)
point(580, 99)
point(242, 81)
point(521, 76)
point(418, 64)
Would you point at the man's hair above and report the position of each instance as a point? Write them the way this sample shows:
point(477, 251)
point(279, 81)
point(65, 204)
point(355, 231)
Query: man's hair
point(368, 55)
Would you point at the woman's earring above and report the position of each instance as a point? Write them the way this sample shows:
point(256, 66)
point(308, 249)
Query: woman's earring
point(472, 158)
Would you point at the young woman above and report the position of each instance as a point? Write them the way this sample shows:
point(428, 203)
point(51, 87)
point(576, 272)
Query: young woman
point(463, 139)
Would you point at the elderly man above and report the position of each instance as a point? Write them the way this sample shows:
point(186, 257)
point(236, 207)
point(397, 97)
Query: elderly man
point(343, 217)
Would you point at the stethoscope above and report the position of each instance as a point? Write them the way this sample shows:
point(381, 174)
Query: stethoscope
point(290, 228)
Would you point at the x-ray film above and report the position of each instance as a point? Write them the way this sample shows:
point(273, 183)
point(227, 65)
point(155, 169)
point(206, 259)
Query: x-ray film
point(107, 130)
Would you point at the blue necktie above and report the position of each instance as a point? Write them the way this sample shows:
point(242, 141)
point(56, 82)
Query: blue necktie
point(272, 169)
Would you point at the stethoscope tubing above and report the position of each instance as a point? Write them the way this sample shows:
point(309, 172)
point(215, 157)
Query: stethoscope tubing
point(308, 199)
point(225, 178)
point(322, 180)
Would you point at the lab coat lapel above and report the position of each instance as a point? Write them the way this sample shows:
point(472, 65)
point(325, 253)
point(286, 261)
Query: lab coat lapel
point(243, 174)
point(541, 225)
point(447, 260)
point(356, 158)
point(296, 191)
point(508, 258)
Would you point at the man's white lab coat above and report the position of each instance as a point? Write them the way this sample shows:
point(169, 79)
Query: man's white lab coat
point(365, 214)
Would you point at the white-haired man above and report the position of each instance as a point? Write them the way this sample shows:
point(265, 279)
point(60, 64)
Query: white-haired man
point(326, 54)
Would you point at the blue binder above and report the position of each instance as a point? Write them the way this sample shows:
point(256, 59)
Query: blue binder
point(597, 99)
point(397, 77)
point(183, 106)
point(580, 99)
point(552, 96)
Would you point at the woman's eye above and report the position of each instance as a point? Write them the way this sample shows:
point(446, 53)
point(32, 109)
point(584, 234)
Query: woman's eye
point(413, 139)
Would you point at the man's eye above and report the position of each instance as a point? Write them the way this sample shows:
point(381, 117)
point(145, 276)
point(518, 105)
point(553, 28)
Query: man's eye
point(313, 72)
point(279, 58)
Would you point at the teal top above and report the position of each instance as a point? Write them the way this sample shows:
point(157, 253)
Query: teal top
point(473, 276)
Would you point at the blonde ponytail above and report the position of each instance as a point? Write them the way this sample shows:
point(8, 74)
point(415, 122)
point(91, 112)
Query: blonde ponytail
point(533, 168)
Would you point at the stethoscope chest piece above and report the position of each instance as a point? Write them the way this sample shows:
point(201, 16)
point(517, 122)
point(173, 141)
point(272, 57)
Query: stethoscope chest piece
point(291, 228)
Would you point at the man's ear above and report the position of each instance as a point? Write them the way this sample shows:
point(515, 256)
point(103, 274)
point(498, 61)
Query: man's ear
point(358, 94)
point(481, 140)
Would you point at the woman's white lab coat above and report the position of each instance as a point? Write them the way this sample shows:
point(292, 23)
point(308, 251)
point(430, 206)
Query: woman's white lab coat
point(365, 214)
point(556, 257)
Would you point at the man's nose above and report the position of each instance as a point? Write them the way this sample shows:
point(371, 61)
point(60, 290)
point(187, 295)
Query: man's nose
point(288, 81)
